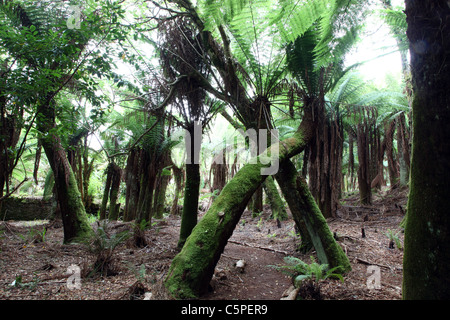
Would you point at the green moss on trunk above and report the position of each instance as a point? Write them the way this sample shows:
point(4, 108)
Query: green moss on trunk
point(73, 214)
point(328, 250)
point(80, 227)
point(192, 269)
point(288, 186)
point(306, 210)
point(426, 265)
point(276, 203)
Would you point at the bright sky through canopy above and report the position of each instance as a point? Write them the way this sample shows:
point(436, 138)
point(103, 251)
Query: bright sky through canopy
point(379, 49)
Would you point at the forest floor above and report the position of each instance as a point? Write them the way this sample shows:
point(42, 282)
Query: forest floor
point(35, 269)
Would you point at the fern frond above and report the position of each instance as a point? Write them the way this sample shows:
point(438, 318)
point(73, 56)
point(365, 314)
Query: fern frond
point(301, 60)
point(294, 18)
point(339, 30)
point(395, 19)
point(219, 12)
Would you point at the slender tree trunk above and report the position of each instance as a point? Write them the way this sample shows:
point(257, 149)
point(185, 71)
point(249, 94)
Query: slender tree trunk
point(106, 191)
point(256, 203)
point(145, 207)
point(277, 205)
point(132, 184)
point(404, 153)
point(364, 181)
point(178, 177)
point(219, 171)
point(427, 232)
point(162, 182)
point(160, 196)
point(389, 139)
point(114, 193)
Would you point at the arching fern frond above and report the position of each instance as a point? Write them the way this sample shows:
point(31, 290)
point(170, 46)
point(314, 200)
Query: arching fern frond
point(396, 20)
point(220, 12)
point(339, 29)
point(294, 18)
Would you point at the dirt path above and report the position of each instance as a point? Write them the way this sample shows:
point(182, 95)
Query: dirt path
point(39, 269)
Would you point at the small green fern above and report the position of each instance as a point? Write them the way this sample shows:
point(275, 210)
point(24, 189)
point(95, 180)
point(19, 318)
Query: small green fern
point(300, 271)
point(102, 245)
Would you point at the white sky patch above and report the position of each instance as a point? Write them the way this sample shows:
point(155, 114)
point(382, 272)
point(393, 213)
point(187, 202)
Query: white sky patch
point(379, 49)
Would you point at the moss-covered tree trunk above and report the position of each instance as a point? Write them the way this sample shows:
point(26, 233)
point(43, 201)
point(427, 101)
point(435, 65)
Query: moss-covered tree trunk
point(288, 187)
point(73, 213)
point(192, 269)
point(427, 232)
point(276, 203)
point(308, 213)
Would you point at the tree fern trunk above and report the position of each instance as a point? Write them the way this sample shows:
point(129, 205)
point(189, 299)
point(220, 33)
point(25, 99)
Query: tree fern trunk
point(288, 186)
point(114, 193)
point(73, 213)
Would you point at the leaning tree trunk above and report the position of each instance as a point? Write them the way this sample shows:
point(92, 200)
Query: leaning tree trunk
point(328, 250)
point(73, 213)
point(288, 187)
point(192, 269)
point(426, 269)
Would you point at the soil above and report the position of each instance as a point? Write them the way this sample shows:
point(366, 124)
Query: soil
point(34, 269)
